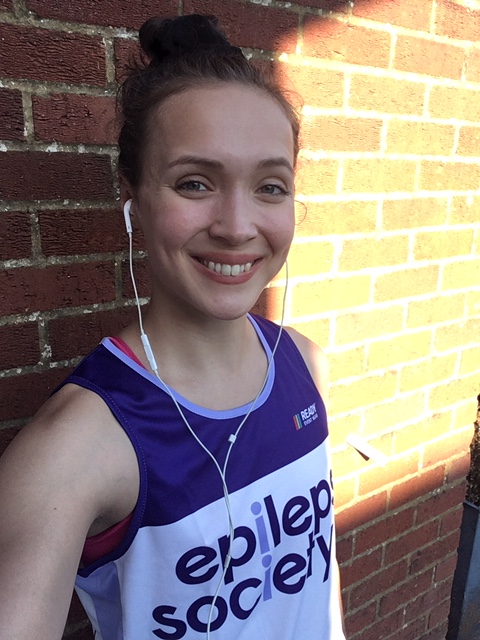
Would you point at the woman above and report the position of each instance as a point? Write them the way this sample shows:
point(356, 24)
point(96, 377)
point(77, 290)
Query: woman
point(191, 451)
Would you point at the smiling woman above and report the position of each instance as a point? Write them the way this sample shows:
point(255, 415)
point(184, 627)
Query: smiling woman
point(181, 475)
point(215, 198)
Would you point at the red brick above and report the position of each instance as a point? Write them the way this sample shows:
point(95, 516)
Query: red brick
point(338, 6)
point(412, 14)
point(75, 118)
point(142, 279)
point(422, 138)
point(41, 54)
point(127, 55)
point(418, 606)
point(412, 630)
point(454, 21)
point(344, 548)
point(404, 593)
point(20, 346)
point(74, 336)
point(395, 470)
point(11, 115)
point(451, 521)
point(454, 102)
point(435, 634)
point(36, 175)
point(385, 529)
point(328, 218)
point(439, 503)
point(472, 65)
point(21, 396)
point(416, 487)
point(251, 25)
point(362, 513)
point(391, 624)
point(378, 175)
point(360, 620)
point(344, 491)
point(15, 234)
point(387, 95)
point(341, 134)
point(414, 212)
point(446, 568)
point(431, 555)
point(458, 469)
point(434, 59)
point(377, 584)
point(361, 568)
point(410, 541)
point(114, 13)
point(455, 176)
point(469, 141)
point(445, 448)
point(27, 289)
point(438, 620)
point(6, 436)
point(316, 177)
point(317, 87)
point(80, 231)
point(335, 40)
point(414, 435)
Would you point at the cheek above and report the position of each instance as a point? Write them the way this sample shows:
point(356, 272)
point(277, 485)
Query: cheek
point(283, 231)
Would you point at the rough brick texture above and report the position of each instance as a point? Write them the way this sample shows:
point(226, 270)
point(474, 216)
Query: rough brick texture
point(71, 176)
point(110, 13)
point(11, 115)
point(53, 56)
point(16, 235)
point(74, 118)
point(384, 271)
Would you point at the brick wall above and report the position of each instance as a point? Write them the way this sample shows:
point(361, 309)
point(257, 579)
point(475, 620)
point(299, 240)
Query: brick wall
point(384, 272)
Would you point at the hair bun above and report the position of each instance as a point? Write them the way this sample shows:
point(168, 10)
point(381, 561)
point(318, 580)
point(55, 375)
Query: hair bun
point(161, 38)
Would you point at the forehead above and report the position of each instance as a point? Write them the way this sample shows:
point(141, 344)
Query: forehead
point(223, 122)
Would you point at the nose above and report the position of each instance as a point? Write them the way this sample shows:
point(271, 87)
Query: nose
point(234, 219)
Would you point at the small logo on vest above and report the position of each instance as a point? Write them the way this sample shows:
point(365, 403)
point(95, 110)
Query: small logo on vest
point(305, 417)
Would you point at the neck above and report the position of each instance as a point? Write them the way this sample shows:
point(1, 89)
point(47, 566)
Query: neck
point(219, 364)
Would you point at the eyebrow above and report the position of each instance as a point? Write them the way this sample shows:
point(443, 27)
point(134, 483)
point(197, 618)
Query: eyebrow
point(215, 164)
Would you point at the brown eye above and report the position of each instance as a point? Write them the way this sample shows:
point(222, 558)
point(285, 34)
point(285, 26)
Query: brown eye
point(192, 186)
point(274, 190)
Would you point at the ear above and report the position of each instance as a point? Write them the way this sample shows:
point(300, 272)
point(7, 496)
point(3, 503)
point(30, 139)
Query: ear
point(128, 193)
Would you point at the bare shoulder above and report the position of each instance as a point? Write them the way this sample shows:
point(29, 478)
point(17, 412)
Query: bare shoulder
point(64, 472)
point(75, 445)
point(315, 359)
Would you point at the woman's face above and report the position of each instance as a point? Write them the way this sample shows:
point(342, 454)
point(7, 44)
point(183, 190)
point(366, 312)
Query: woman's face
point(215, 200)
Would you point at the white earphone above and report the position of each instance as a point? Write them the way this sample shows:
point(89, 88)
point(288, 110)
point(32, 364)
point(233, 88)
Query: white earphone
point(126, 214)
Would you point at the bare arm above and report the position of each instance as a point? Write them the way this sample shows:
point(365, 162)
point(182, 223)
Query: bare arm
point(56, 480)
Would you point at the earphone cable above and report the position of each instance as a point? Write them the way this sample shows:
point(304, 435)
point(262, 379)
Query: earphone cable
point(231, 439)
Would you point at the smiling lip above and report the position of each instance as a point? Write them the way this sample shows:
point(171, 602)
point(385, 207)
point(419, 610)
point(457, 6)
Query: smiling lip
point(224, 269)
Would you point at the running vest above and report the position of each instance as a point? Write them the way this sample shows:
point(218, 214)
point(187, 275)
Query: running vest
point(160, 581)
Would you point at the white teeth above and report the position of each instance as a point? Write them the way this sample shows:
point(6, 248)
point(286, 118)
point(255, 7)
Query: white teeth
point(228, 269)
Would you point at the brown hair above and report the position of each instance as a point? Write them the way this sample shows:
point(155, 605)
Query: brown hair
point(183, 52)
